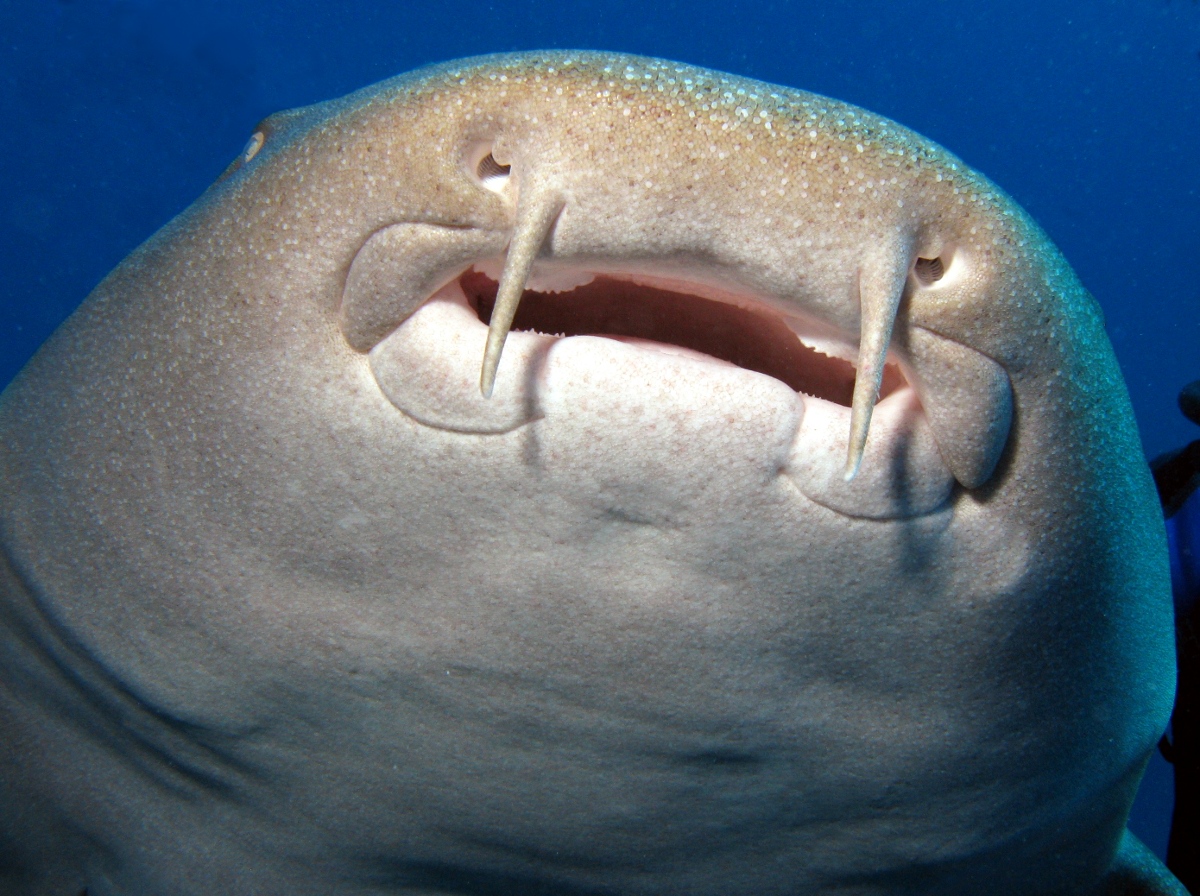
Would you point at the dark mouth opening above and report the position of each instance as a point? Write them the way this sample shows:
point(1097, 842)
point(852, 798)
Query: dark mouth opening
point(754, 339)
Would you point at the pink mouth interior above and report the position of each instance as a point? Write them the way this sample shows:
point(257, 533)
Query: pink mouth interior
point(755, 339)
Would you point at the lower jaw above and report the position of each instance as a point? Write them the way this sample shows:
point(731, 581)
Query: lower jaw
point(643, 401)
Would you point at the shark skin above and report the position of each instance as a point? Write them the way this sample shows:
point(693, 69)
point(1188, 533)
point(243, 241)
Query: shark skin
point(579, 473)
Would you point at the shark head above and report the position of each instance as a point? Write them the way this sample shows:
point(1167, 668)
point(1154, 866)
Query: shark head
point(589, 472)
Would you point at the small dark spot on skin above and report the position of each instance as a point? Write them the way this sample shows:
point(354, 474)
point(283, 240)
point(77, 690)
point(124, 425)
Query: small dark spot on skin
point(626, 516)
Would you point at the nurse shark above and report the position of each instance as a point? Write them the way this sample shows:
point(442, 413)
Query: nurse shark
point(580, 473)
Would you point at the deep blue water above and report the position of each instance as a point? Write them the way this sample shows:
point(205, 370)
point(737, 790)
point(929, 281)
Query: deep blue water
point(118, 113)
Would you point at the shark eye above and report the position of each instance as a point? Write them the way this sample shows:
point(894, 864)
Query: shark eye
point(253, 145)
point(929, 270)
point(249, 151)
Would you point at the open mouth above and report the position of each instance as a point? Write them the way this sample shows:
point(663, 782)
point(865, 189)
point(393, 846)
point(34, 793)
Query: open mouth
point(427, 303)
point(753, 338)
point(409, 273)
point(651, 364)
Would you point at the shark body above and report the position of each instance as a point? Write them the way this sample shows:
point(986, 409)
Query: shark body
point(579, 473)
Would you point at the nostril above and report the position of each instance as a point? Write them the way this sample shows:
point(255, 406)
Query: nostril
point(489, 167)
point(491, 173)
point(929, 270)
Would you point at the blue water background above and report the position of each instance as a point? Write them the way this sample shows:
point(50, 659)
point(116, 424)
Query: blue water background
point(116, 114)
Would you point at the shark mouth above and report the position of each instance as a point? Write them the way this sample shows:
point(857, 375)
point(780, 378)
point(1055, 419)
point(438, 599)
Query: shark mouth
point(426, 303)
point(635, 312)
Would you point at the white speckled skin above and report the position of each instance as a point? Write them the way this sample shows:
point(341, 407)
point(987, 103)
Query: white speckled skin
point(287, 607)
